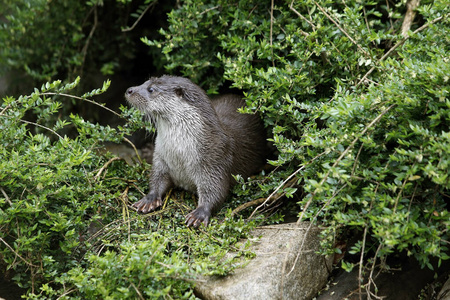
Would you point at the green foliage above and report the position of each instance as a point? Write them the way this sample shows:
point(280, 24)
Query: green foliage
point(55, 28)
point(359, 115)
point(156, 265)
point(48, 184)
point(65, 39)
point(359, 112)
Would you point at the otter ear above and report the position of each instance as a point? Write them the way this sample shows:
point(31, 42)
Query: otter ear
point(181, 92)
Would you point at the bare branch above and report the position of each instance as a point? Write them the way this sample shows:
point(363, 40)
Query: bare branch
point(42, 126)
point(271, 31)
point(209, 9)
point(291, 7)
point(134, 147)
point(6, 196)
point(342, 29)
point(283, 184)
point(411, 7)
point(84, 99)
point(88, 40)
point(140, 17)
point(3, 111)
point(352, 144)
point(17, 254)
point(399, 44)
point(105, 166)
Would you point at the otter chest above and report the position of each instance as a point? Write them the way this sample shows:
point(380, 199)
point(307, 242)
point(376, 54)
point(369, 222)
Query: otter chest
point(179, 149)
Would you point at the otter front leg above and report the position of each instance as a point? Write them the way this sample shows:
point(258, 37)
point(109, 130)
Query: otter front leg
point(160, 182)
point(210, 198)
point(198, 216)
point(148, 204)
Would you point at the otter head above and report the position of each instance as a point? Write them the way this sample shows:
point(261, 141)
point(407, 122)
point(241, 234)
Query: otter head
point(168, 97)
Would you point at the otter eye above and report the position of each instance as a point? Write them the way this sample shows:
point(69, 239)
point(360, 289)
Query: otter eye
point(150, 89)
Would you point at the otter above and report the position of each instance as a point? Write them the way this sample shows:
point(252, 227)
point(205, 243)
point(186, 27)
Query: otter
point(199, 143)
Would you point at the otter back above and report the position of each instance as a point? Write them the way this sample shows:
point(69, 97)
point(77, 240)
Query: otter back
point(247, 132)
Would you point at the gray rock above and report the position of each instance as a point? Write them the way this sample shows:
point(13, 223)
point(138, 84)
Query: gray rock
point(272, 273)
point(444, 294)
point(123, 151)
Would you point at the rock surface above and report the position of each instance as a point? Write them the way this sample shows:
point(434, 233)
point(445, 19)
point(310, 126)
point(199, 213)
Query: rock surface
point(286, 266)
point(444, 294)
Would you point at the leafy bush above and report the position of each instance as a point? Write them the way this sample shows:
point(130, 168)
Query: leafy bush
point(47, 40)
point(50, 190)
point(358, 111)
point(357, 105)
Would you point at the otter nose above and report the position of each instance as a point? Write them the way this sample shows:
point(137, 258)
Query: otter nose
point(130, 91)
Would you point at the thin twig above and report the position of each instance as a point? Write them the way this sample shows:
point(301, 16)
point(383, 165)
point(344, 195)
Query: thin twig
point(63, 295)
point(300, 250)
point(399, 44)
point(390, 19)
point(88, 40)
point(249, 204)
point(291, 7)
point(137, 291)
point(263, 200)
point(361, 260)
point(83, 99)
point(134, 147)
point(374, 121)
point(42, 126)
point(140, 17)
point(17, 254)
point(6, 196)
point(209, 9)
point(276, 190)
point(341, 29)
point(311, 223)
point(105, 166)
point(125, 211)
point(367, 23)
point(6, 107)
point(363, 249)
point(284, 183)
point(271, 32)
point(372, 269)
point(356, 160)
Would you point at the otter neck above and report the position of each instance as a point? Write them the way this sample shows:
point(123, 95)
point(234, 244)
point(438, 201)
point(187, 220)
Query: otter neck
point(180, 128)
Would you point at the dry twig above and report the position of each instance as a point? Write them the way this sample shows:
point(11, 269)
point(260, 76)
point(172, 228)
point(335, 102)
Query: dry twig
point(342, 29)
point(83, 99)
point(411, 6)
point(397, 45)
point(140, 17)
point(17, 254)
point(6, 196)
point(96, 177)
point(134, 147)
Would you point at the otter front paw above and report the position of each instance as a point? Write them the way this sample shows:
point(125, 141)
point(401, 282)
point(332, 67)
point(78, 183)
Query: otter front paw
point(147, 204)
point(198, 216)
